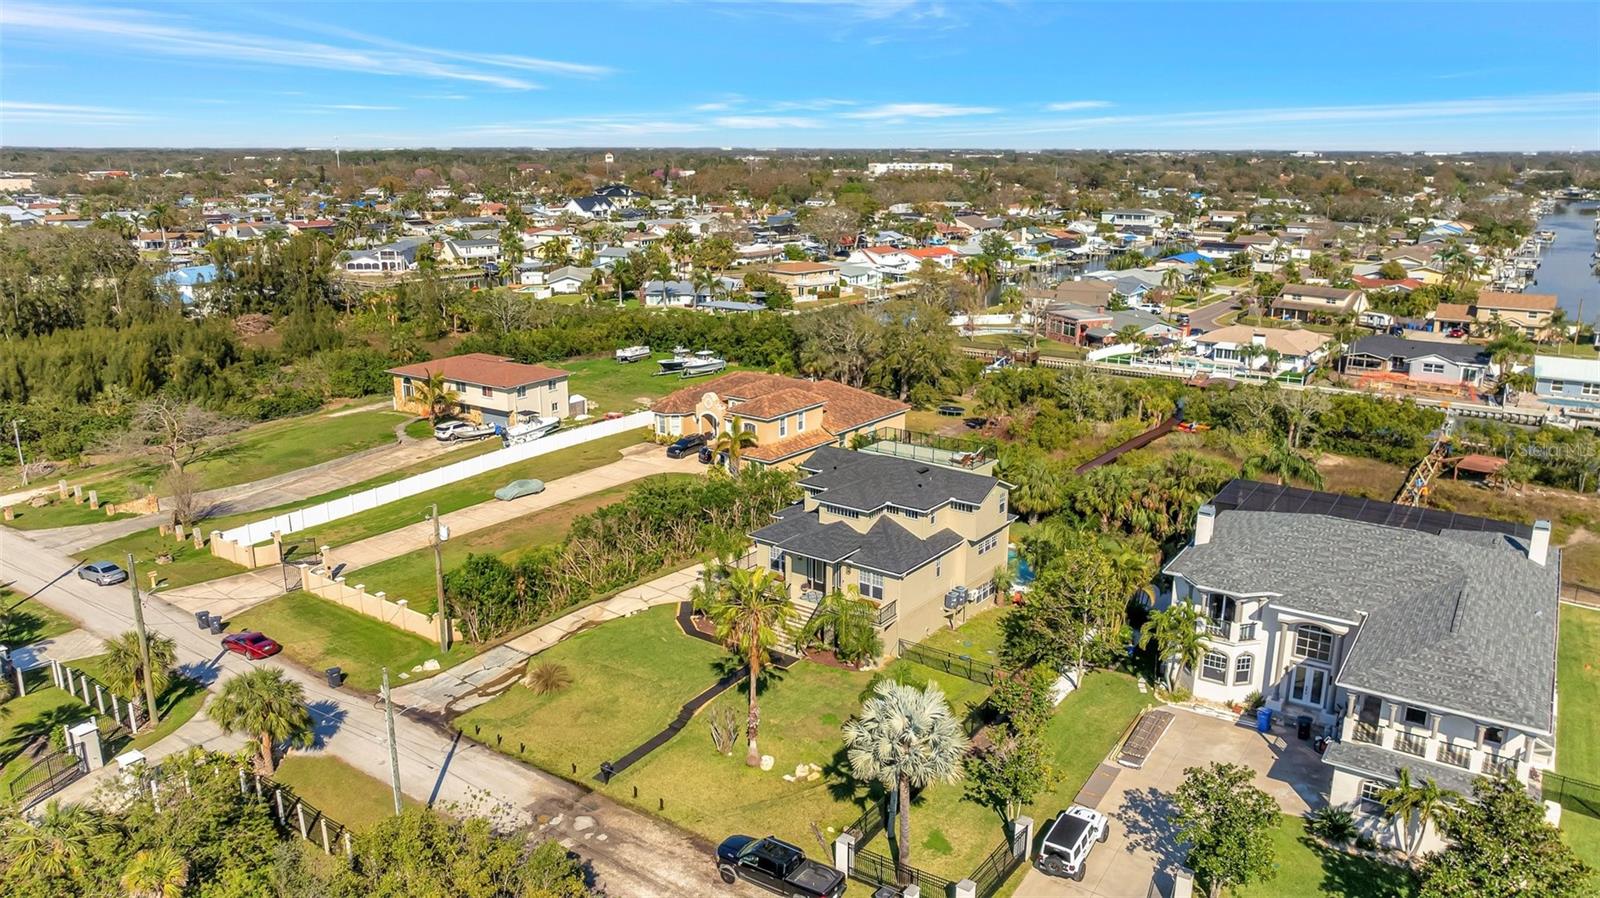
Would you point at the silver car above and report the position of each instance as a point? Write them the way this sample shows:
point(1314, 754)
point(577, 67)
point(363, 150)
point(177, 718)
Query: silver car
point(103, 573)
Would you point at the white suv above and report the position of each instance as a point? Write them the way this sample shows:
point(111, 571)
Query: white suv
point(1065, 849)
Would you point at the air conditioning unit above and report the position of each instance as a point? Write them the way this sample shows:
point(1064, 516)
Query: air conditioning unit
point(955, 598)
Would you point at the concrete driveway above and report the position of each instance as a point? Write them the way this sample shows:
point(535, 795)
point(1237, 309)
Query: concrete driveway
point(1141, 847)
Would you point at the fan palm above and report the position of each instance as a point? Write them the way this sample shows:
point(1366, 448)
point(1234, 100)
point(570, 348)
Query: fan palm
point(905, 738)
point(124, 666)
point(1175, 633)
point(267, 705)
point(1284, 465)
point(749, 609)
point(434, 395)
point(847, 623)
point(54, 847)
point(733, 441)
point(1412, 807)
point(156, 873)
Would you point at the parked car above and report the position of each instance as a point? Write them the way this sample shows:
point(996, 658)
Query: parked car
point(776, 866)
point(1067, 841)
point(685, 445)
point(450, 431)
point(251, 644)
point(516, 489)
point(102, 573)
point(1457, 333)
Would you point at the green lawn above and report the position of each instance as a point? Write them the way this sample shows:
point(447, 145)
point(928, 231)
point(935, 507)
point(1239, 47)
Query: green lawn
point(1308, 868)
point(420, 429)
point(318, 634)
point(66, 513)
point(344, 793)
point(1577, 749)
point(411, 576)
point(1016, 341)
point(189, 565)
point(24, 719)
point(24, 621)
point(177, 704)
point(611, 386)
point(629, 678)
point(978, 638)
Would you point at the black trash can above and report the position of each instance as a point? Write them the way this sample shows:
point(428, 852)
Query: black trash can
point(335, 677)
point(216, 625)
point(1302, 727)
point(203, 620)
point(886, 892)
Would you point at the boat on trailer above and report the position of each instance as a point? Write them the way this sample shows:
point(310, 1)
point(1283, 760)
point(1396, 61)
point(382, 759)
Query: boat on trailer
point(704, 362)
point(526, 427)
point(680, 358)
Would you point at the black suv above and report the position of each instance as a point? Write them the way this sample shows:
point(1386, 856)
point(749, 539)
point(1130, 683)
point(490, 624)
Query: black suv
point(685, 445)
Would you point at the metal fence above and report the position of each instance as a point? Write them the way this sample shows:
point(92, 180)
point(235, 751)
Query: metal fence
point(296, 814)
point(1577, 796)
point(939, 659)
point(876, 870)
point(995, 869)
point(869, 824)
point(45, 777)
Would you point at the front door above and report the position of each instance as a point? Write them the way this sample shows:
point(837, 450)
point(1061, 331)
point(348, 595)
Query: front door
point(1308, 685)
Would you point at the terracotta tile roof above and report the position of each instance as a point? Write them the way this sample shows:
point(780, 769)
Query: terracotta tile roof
point(800, 442)
point(482, 369)
point(1489, 299)
point(771, 405)
point(845, 408)
point(930, 252)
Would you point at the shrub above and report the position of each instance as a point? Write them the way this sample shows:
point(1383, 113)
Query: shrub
point(547, 677)
point(1254, 701)
point(1337, 826)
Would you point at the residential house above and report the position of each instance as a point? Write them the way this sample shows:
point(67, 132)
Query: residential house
point(470, 252)
point(1449, 316)
point(891, 262)
point(790, 417)
point(1420, 361)
point(191, 284)
point(1243, 346)
point(682, 294)
point(942, 256)
point(489, 389)
point(568, 279)
point(862, 279)
point(401, 255)
point(1144, 218)
point(1422, 640)
point(918, 540)
point(1081, 325)
point(1531, 312)
point(1311, 302)
point(1568, 382)
point(1088, 292)
point(806, 279)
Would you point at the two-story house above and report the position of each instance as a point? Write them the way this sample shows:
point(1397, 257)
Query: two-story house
point(806, 279)
point(1420, 640)
point(919, 540)
point(399, 256)
point(1313, 302)
point(1531, 312)
point(489, 389)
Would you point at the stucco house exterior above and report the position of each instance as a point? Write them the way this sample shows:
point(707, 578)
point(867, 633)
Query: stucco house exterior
point(1311, 302)
point(1243, 346)
point(790, 417)
point(489, 389)
point(1531, 312)
point(1422, 361)
point(1418, 639)
point(921, 541)
point(806, 279)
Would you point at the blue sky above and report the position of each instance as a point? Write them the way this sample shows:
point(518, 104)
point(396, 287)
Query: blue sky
point(875, 73)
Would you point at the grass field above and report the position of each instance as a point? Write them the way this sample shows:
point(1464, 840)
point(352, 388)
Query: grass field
point(977, 638)
point(189, 565)
point(1307, 868)
point(342, 792)
point(611, 386)
point(25, 719)
point(24, 621)
point(318, 634)
point(411, 576)
point(629, 678)
point(1577, 749)
point(176, 704)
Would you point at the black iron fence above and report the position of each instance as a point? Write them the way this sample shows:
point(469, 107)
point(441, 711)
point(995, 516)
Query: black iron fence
point(1577, 796)
point(961, 666)
point(995, 869)
point(876, 870)
point(869, 824)
point(45, 777)
point(297, 815)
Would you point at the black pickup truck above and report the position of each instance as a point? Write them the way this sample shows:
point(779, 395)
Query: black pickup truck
point(777, 866)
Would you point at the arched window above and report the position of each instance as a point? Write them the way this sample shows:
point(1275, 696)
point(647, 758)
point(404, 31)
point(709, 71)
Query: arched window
point(1243, 667)
point(1214, 667)
point(1313, 643)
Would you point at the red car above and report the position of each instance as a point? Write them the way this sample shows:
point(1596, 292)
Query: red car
point(251, 644)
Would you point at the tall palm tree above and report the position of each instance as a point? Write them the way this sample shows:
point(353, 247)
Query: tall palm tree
point(156, 873)
point(846, 623)
point(733, 442)
point(267, 705)
point(1284, 465)
point(1412, 807)
point(905, 738)
point(1175, 633)
point(749, 609)
point(124, 667)
point(161, 216)
point(434, 394)
point(555, 252)
point(56, 846)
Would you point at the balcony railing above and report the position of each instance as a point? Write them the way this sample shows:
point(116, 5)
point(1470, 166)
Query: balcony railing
point(1230, 631)
point(1366, 732)
point(1499, 765)
point(1455, 755)
point(1411, 744)
point(886, 615)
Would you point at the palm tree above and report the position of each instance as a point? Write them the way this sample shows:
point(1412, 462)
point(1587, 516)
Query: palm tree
point(733, 441)
point(1036, 488)
point(1412, 807)
point(905, 738)
point(157, 873)
point(161, 216)
point(847, 623)
point(56, 846)
point(124, 667)
point(1175, 632)
point(1283, 464)
point(268, 706)
point(554, 251)
point(749, 609)
point(433, 393)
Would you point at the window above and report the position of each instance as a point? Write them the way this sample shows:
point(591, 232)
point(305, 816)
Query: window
point(938, 567)
point(933, 518)
point(1494, 735)
point(988, 544)
point(405, 388)
point(1371, 800)
point(748, 427)
point(1243, 667)
point(783, 426)
point(1003, 497)
point(964, 507)
point(1214, 667)
point(1557, 386)
point(1432, 367)
point(842, 512)
point(555, 406)
point(1313, 643)
point(800, 422)
point(1416, 717)
point(1591, 389)
point(871, 585)
point(775, 561)
point(522, 392)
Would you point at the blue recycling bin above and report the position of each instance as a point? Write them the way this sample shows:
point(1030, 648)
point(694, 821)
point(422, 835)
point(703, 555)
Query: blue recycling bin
point(1263, 720)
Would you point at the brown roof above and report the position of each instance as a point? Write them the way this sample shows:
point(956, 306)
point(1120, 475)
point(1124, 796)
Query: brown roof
point(1489, 299)
point(1450, 311)
point(1343, 294)
point(800, 442)
point(846, 408)
point(482, 369)
point(782, 402)
point(1480, 464)
point(1092, 291)
point(803, 267)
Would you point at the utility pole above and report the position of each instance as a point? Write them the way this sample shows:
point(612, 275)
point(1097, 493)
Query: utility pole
point(394, 750)
point(22, 465)
point(144, 642)
point(438, 581)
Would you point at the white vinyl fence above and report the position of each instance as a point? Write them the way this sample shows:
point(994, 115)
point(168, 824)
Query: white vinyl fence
point(344, 506)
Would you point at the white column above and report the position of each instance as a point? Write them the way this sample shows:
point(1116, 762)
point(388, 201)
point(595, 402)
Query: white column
point(844, 853)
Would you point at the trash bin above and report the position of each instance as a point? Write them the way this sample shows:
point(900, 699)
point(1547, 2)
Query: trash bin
point(202, 619)
point(1302, 727)
point(335, 677)
point(886, 892)
point(1263, 720)
point(216, 625)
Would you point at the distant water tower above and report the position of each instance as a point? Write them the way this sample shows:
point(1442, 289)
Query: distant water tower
point(609, 159)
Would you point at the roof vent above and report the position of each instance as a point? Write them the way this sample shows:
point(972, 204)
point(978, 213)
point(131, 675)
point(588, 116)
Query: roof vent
point(922, 470)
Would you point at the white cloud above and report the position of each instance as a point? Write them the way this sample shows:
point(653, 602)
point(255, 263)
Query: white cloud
point(764, 122)
point(713, 107)
point(918, 110)
point(66, 114)
point(1073, 105)
point(820, 103)
point(442, 97)
point(170, 36)
point(358, 107)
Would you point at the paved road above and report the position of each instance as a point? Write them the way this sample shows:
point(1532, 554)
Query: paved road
point(632, 854)
point(1205, 317)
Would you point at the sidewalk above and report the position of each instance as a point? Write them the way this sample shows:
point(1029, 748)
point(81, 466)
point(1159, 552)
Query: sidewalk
point(231, 595)
point(197, 732)
point(476, 680)
point(69, 645)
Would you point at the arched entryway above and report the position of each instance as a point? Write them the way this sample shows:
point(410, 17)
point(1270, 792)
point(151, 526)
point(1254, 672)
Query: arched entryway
point(710, 424)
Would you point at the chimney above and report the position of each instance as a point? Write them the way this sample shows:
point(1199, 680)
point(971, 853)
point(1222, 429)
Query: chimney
point(1258, 339)
point(1539, 546)
point(1206, 520)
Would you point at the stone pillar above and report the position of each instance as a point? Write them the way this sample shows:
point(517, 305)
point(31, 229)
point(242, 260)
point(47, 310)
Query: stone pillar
point(61, 488)
point(966, 888)
point(86, 737)
point(912, 891)
point(94, 499)
point(199, 540)
point(844, 853)
point(77, 494)
point(8, 513)
point(1022, 837)
point(177, 532)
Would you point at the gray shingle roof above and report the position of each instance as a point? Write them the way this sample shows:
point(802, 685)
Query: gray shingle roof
point(885, 546)
point(1373, 762)
point(1460, 619)
point(867, 482)
point(1384, 346)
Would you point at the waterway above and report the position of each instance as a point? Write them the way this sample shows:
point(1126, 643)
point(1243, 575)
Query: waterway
point(1567, 269)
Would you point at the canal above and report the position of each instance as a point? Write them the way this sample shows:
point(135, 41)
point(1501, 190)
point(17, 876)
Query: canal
point(1567, 268)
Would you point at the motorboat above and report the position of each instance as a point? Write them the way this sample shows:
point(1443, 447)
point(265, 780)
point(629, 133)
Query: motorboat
point(633, 353)
point(525, 427)
point(703, 362)
point(680, 358)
